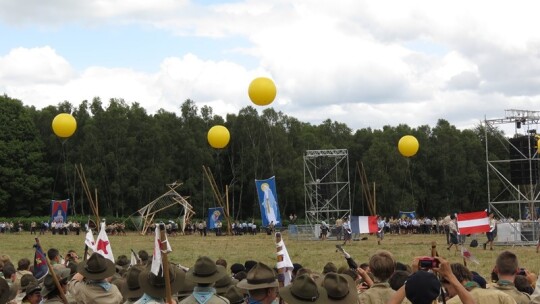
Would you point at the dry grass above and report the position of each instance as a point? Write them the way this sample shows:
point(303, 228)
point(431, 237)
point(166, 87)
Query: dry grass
point(311, 254)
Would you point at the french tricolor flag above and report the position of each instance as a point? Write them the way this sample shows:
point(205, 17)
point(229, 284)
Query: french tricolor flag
point(364, 224)
point(473, 222)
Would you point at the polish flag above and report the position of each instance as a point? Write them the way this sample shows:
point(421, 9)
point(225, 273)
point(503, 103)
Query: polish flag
point(103, 246)
point(473, 222)
point(364, 224)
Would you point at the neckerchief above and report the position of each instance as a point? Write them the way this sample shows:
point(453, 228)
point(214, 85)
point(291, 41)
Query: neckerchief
point(470, 285)
point(103, 284)
point(203, 294)
point(505, 283)
point(148, 299)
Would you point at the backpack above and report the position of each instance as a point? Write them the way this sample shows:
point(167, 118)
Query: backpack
point(474, 243)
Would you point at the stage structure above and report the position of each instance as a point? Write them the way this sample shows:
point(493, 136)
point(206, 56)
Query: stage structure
point(513, 178)
point(326, 185)
point(144, 217)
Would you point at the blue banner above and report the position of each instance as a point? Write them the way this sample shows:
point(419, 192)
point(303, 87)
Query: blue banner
point(40, 263)
point(407, 214)
point(215, 215)
point(266, 190)
point(59, 210)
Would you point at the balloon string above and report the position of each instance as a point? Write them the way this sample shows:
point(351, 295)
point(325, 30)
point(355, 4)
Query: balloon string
point(65, 165)
point(410, 179)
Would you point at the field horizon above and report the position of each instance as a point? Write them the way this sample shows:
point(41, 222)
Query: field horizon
point(312, 254)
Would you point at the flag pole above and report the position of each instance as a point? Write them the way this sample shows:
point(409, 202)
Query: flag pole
point(53, 274)
point(165, 263)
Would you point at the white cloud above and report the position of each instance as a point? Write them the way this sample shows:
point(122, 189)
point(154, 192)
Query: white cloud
point(358, 62)
point(37, 65)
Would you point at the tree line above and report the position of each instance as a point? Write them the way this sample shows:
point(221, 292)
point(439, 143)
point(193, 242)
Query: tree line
point(129, 156)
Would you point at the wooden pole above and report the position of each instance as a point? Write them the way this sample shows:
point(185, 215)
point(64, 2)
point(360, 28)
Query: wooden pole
point(374, 200)
point(165, 263)
point(53, 274)
point(434, 252)
point(97, 210)
point(281, 271)
point(227, 210)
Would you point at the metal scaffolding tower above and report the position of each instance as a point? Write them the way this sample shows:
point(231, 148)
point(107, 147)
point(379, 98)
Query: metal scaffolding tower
point(514, 180)
point(326, 185)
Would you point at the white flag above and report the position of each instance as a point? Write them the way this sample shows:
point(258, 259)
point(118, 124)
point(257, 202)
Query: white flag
point(134, 258)
point(103, 246)
point(286, 262)
point(156, 258)
point(89, 240)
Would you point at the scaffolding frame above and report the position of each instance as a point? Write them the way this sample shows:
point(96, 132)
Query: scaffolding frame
point(526, 122)
point(327, 188)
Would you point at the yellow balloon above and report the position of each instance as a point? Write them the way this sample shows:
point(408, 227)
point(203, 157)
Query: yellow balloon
point(262, 91)
point(64, 125)
point(218, 137)
point(408, 145)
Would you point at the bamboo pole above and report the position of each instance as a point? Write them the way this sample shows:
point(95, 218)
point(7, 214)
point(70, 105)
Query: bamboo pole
point(165, 263)
point(53, 274)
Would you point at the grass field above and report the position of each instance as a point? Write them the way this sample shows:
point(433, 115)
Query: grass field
point(261, 247)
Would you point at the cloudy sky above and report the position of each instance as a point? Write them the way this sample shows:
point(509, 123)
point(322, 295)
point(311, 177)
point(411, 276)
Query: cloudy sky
point(364, 63)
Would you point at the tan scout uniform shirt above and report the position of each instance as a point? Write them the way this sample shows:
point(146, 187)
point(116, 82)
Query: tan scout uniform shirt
point(511, 290)
point(485, 296)
point(379, 293)
point(86, 293)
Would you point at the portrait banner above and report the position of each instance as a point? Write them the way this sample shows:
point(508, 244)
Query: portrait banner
point(268, 202)
point(59, 210)
point(215, 215)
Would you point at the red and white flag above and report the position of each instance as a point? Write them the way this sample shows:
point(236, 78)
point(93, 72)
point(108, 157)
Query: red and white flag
point(103, 246)
point(473, 222)
point(89, 240)
point(158, 248)
point(364, 224)
point(468, 255)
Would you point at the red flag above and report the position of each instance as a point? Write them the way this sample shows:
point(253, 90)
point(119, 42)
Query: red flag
point(473, 222)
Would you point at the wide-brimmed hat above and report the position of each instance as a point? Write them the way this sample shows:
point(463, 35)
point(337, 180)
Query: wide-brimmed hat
point(225, 282)
point(4, 290)
point(154, 286)
point(329, 267)
point(205, 271)
point(422, 287)
point(48, 282)
point(96, 267)
point(260, 276)
point(235, 295)
point(30, 289)
point(303, 290)
point(340, 288)
point(130, 287)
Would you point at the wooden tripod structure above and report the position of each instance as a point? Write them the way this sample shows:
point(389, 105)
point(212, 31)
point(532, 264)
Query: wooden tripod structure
point(93, 204)
point(168, 199)
point(222, 200)
point(366, 189)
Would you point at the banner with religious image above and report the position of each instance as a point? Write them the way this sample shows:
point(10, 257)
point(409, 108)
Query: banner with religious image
point(268, 202)
point(59, 210)
point(215, 215)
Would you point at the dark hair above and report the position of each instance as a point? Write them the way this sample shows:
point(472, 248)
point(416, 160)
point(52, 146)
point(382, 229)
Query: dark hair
point(221, 262)
point(461, 272)
point(398, 278)
point(522, 284)
point(382, 265)
point(122, 260)
point(8, 270)
point(23, 264)
point(507, 263)
point(240, 275)
point(403, 267)
point(143, 255)
point(52, 253)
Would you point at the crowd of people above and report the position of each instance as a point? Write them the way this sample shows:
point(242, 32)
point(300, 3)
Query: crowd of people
point(379, 279)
